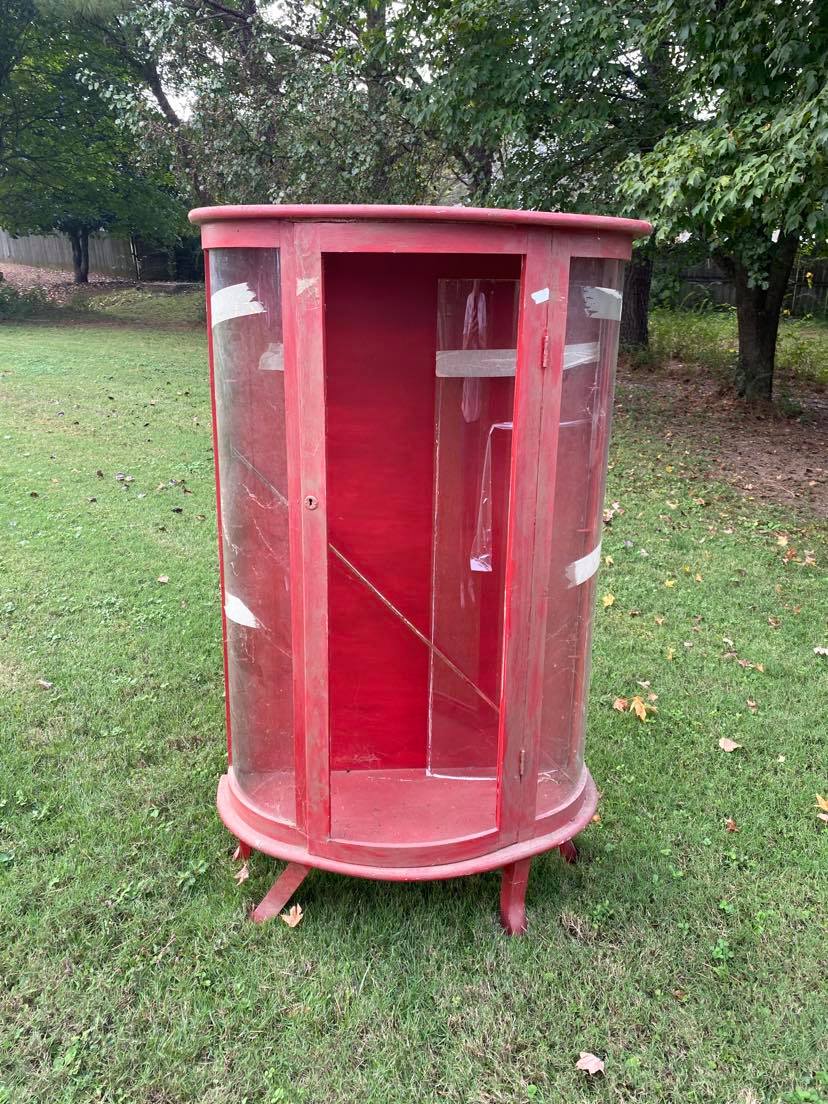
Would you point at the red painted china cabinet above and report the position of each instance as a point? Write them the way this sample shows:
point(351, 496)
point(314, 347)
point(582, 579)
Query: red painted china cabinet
point(411, 415)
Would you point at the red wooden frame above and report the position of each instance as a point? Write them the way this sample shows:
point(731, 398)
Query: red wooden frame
point(546, 242)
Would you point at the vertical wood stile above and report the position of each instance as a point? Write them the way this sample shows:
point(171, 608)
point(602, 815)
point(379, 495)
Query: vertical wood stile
point(307, 295)
point(515, 754)
point(294, 493)
point(550, 416)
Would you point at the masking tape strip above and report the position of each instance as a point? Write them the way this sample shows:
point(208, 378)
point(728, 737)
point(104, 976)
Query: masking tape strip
point(602, 302)
point(474, 363)
point(236, 610)
point(234, 301)
point(575, 355)
point(484, 363)
point(541, 296)
point(580, 570)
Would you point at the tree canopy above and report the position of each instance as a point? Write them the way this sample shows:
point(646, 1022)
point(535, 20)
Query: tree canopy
point(710, 117)
point(743, 168)
point(68, 162)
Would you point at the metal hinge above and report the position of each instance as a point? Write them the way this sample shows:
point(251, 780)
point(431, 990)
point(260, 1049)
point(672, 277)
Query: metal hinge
point(522, 762)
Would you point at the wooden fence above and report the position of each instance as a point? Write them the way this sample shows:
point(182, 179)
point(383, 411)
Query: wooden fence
point(807, 290)
point(108, 255)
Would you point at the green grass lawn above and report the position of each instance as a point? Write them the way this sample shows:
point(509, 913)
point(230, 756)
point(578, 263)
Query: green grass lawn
point(146, 305)
point(688, 957)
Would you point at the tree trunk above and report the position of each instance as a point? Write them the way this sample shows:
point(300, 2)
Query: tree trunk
point(84, 265)
point(80, 254)
point(638, 279)
point(757, 314)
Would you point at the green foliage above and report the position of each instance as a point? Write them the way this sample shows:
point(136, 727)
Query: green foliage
point(802, 349)
point(302, 104)
point(67, 162)
point(709, 118)
point(705, 339)
point(547, 94)
point(748, 157)
point(16, 303)
point(708, 339)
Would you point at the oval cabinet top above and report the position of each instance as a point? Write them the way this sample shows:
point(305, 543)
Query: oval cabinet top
point(366, 212)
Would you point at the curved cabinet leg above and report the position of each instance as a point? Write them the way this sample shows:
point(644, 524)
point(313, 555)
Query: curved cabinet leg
point(280, 892)
point(569, 852)
point(242, 852)
point(514, 879)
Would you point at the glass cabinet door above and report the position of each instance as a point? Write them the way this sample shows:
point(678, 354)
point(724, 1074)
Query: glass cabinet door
point(419, 376)
point(248, 372)
point(592, 325)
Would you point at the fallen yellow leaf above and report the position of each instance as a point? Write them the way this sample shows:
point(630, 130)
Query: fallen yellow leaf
point(608, 600)
point(589, 1063)
point(821, 803)
point(609, 561)
point(671, 653)
point(620, 704)
point(641, 708)
point(669, 582)
point(293, 916)
point(726, 744)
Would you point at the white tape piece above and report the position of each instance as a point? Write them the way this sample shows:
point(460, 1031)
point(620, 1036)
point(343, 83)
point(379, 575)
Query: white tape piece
point(603, 302)
point(273, 358)
point(576, 355)
point(234, 301)
point(580, 570)
point(474, 363)
point(541, 296)
point(236, 610)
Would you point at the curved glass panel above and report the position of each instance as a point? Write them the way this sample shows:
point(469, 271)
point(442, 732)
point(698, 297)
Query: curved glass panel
point(246, 322)
point(592, 325)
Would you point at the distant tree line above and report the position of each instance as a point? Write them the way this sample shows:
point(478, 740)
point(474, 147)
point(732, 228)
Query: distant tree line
point(710, 117)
